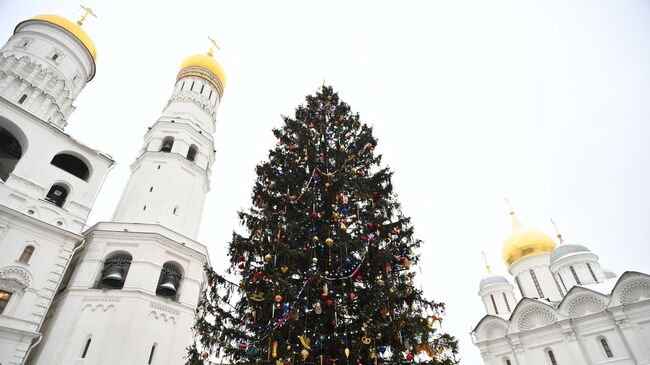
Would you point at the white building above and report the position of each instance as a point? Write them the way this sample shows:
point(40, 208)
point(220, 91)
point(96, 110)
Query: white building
point(571, 312)
point(120, 292)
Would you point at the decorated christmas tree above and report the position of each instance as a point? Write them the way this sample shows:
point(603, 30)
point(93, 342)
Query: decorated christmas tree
point(326, 266)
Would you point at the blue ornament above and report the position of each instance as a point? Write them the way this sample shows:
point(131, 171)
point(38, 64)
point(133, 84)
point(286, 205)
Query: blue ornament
point(281, 173)
point(345, 211)
point(251, 351)
point(348, 261)
point(382, 349)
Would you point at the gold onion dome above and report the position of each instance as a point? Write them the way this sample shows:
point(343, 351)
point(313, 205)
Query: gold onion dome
point(524, 242)
point(193, 66)
point(73, 28)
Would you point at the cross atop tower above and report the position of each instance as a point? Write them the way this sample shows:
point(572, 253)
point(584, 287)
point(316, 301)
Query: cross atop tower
point(212, 47)
point(487, 266)
point(88, 11)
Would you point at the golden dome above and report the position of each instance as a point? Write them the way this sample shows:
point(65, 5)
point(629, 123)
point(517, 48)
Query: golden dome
point(205, 62)
point(524, 242)
point(73, 28)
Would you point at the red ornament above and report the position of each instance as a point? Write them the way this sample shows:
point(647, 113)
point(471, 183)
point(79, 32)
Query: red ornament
point(375, 194)
point(305, 249)
point(205, 354)
point(329, 303)
point(361, 174)
point(369, 225)
point(241, 266)
point(409, 357)
point(333, 324)
point(358, 361)
point(241, 257)
point(359, 277)
point(292, 148)
point(314, 214)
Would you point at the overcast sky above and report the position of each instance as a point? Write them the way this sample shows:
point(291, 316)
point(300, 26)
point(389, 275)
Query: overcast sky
point(546, 103)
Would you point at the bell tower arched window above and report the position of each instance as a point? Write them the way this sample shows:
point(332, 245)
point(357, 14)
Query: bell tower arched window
point(10, 153)
point(605, 345)
point(57, 195)
point(26, 255)
point(167, 144)
point(72, 165)
point(116, 267)
point(169, 281)
point(191, 153)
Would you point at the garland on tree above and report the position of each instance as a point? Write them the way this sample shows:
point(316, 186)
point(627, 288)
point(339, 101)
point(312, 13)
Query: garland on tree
point(326, 266)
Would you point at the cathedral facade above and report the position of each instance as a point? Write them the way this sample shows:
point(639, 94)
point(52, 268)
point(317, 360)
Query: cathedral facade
point(571, 311)
point(122, 291)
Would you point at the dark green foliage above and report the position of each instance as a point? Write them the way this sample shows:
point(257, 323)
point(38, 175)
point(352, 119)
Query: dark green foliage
point(328, 257)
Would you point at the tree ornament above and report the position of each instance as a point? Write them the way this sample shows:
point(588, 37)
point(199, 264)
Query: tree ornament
point(359, 277)
point(369, 225)
point(278, 298)
point(205, 355)
point(343, 227)
point(347, 352)
point(409, 357)
point(314, 260)
point(314, 214)
point(274, 351)
point(406, 263)
point(284, 269)
point(268, 257)
point(366, 340)
point(317, 307)
point(241, 266)
point(329, 303)
point(304, 341)
point(329, 242)
point(315, 239)
point(379, 282)
point(305, 354)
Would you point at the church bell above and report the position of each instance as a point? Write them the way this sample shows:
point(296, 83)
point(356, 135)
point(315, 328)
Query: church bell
point(113, 276)
point(168, 283)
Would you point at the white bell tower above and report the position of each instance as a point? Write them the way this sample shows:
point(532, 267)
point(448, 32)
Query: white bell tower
point(132, 295)
point(48, 180)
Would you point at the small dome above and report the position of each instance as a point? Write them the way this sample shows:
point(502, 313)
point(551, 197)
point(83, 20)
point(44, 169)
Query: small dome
point(205, 62)
point(73, 28)
point(565, 250)
point(524, 242)
point(492, 280)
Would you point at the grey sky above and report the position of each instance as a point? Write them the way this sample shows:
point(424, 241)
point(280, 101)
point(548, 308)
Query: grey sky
point(547, 103)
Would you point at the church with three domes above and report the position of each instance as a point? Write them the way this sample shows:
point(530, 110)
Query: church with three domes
point(570, 311)
point(122, 291)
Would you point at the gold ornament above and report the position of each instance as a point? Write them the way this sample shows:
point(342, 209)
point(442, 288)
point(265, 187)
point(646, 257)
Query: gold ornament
point(315, 239)
point(305, 354)
point(268, 257)
point(343, 227)
point(329, 242)
point(406, 263)
point(257, 297)
point(314, 261)
point(278, 298)
point(366, 340)
point(284, 269)
point(317, 308)
point(380, 282)
point(274, 352)
point(347, 352)
point(304, 341)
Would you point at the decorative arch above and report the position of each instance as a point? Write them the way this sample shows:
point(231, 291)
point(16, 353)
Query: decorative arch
point(530, 314)
point(631, 287)
point(490, 328)
point(580, 301)
point(15, 278)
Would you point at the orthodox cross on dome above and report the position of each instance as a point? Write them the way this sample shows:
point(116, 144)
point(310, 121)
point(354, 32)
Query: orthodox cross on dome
point(212, 46)
point(487, 266)
point(515, 222)
point(88, 11)
point(557, 231)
